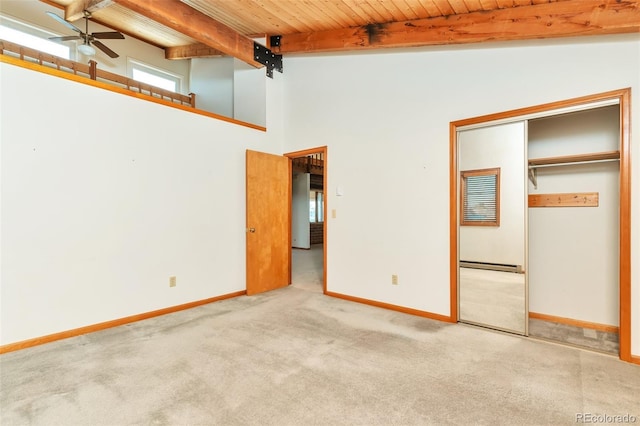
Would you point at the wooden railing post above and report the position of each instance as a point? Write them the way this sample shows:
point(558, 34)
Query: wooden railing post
point(93, 69)
point(193, 99)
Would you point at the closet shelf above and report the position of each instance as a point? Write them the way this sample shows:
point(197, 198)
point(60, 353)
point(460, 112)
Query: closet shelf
point(579, 158)
point(594, 157)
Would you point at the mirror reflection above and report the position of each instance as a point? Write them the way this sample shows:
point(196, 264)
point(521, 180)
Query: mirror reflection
point(492, 298)
point(492, 279)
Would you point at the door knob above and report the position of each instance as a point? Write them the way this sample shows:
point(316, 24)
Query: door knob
point(252, 230)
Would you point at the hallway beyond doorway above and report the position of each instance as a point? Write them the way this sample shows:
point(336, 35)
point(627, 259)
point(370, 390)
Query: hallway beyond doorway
point(307, 268)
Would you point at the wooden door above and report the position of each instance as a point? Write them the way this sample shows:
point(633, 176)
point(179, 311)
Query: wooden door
point(268, 222)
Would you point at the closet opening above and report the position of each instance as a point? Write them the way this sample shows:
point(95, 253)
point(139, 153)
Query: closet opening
point(573, 228)
point(570, 161)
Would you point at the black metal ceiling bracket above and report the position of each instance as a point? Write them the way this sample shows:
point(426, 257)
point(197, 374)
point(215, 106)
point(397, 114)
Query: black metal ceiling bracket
point(267, 58)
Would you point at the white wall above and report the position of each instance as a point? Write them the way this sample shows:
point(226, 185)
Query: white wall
point(101, 205)
point(33, 11)
point(391, 111)
point(500, 146)
point(300, 230)
point(249, 102)
point(573, 252)
point(212, 82)
point(231, 88)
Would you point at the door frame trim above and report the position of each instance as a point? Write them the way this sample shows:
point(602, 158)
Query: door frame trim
point(623, 96)
point(303, 153)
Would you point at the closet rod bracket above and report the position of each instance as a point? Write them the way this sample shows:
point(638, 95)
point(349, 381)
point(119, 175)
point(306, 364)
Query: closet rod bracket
point(533, 176)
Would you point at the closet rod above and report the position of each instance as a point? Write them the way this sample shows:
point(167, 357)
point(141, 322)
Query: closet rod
point(577, 158)
point(569, 160)
point(536, 166)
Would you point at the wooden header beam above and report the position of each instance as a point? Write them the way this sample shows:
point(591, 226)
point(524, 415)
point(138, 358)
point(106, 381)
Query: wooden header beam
point(75, 10)
point(197, 50)
point(545, 20)
point(186, 20)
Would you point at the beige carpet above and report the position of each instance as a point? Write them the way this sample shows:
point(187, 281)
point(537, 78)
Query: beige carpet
point(307, 268)
point(296, 357)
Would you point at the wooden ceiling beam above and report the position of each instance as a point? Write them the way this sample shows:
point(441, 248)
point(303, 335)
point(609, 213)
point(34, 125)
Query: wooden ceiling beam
point(75, 10)
point(545, 20)
point(186, 20)
point(197, 50)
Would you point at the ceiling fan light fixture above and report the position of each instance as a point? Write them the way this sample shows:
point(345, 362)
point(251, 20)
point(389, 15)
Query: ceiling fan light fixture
point(87, 49)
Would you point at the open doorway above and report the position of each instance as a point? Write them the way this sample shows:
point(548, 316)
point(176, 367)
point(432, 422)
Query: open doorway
point(308, 214)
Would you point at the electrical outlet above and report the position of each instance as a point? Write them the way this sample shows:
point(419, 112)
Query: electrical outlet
point(394, 279)
point(172, 281)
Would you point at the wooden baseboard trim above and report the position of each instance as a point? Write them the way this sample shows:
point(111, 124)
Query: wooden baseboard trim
point(398, 308)
point(635, 359)
point(11, 347)
point(574, 322)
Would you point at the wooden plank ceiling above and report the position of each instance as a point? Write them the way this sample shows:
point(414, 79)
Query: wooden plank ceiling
point(198, 28)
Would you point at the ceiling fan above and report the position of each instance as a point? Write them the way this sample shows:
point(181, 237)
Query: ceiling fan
point(88, 40)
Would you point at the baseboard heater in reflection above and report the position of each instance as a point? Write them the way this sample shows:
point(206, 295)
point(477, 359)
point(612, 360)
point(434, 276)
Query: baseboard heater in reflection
point(517, 269)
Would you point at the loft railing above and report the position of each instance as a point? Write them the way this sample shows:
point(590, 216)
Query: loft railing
point(91, 71)
point(313, 163)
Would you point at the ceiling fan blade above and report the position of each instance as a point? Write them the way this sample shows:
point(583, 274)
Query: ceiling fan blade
point(63, 22)
point(65, 38)
point(105, 49)
point(108, 35)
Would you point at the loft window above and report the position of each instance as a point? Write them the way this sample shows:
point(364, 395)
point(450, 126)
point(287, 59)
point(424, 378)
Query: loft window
point(480, 197)
point(154, 76)
point(316, 206)
point(27, 35)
